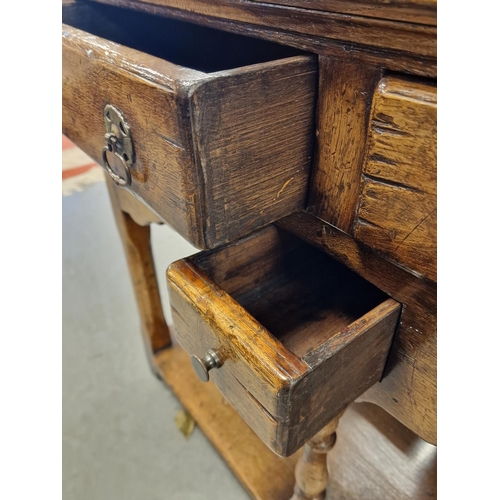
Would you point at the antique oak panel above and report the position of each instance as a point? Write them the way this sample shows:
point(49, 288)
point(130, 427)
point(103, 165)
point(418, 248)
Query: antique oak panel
point(415, 11)
point(136, 241)
point(395, 463)
point(223, 137)
point(399, 46)
point(398, 200)
point(408, 388)
point(345, 92)
point(299, 335)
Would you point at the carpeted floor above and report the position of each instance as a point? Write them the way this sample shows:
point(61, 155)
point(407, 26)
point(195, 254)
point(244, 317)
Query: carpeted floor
point(120, 440)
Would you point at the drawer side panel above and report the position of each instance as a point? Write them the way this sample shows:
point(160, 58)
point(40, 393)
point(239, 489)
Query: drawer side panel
point(341, 370)
point(254, 133)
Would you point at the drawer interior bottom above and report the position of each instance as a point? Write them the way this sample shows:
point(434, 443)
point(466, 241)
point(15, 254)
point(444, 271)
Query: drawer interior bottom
point(196, 47)
point(298, 293)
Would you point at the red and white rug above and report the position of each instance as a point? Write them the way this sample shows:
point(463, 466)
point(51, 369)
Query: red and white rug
point(78, 170)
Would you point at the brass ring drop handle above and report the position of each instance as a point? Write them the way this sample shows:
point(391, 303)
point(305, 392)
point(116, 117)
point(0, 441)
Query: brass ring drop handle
point(203, 366)
point(111, 147)
point(118, 140)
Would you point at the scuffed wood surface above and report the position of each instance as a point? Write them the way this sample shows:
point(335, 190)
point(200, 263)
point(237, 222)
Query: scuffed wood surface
point(340, 369)
point(263, 474)
point(399, 46)
point(139, 212)
point(408, 389)
point(218, 154)
point(137, 246)
point(300, 337)
point(397, 212)
point(253, 132)
point(345, 92)
point(375, 457)
point(149, 92)
point(257, 370)
point(414, 11)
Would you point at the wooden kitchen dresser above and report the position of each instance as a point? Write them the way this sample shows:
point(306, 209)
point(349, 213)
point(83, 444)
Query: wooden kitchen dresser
point(295, 142)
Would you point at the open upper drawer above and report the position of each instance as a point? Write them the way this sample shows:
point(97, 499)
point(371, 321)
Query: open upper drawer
point(290, 336)
point(219, 127)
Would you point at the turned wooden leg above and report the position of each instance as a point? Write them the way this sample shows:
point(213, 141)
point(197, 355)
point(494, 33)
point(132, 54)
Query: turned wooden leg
point(311, 472)
point(137, 245)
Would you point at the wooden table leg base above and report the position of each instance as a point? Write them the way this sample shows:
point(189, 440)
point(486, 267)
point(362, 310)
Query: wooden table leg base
point(311, 472)
point(264, 475)
point(136, 240)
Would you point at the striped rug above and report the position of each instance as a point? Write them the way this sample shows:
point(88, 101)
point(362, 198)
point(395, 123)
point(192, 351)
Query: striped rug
point(78, 170)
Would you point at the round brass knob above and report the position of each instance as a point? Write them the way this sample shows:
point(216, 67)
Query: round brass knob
point(203, 366)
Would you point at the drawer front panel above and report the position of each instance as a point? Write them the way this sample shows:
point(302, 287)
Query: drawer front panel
point(257, 371)
point(235, 379)
point(211, 319)
point(397, 210)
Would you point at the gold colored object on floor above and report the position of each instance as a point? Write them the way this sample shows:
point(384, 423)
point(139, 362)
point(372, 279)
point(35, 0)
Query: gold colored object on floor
point(185, 423)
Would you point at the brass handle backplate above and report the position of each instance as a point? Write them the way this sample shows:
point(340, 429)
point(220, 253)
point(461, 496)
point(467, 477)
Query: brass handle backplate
point(119, 142)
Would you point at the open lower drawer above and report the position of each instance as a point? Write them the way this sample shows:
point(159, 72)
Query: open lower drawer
point(290, 336)
point(214, 131)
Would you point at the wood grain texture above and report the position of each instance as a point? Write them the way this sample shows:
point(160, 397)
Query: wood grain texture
point(257, 370)
point(345, 92)
point(300, 304)
point(374, 458)
point(298, 343)
point(253, 133)
point(311, 472)
point(264, 474)
point(351, 360)
point(138, 211)
point(396, 45)
point(96, 73)
point(137, 245)
point(377, 457)
point(397, 212)
point(413, 11)
point(408, 388)
point(218, 154)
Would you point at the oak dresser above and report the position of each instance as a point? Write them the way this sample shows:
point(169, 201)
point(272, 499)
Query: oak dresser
point(294, 143)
